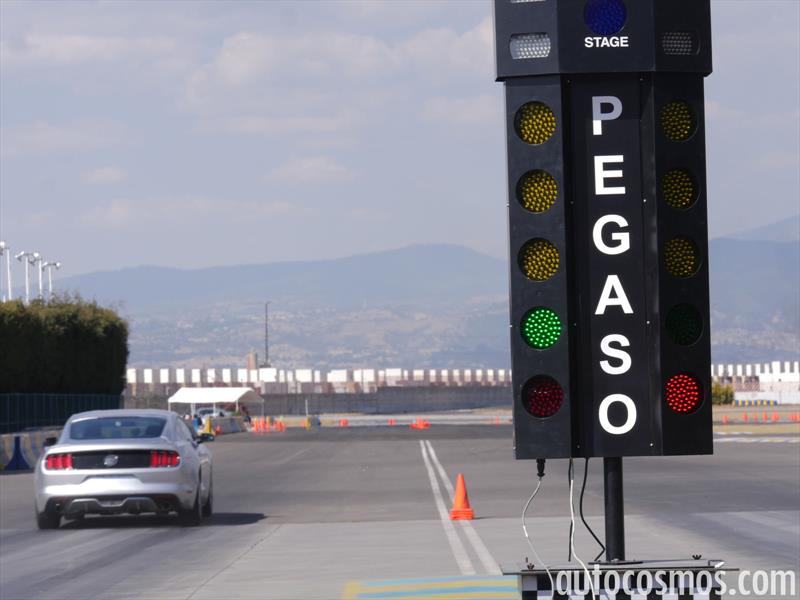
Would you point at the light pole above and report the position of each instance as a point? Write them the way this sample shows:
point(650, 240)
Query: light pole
point(39, 261)
point(29, 259)
point(6, 249)
point(266, 334)
point(50, 265)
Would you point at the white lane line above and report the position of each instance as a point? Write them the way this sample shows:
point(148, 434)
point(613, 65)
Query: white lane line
point(758, 440)
point(459, 552)
point(286, 459)
point(480, 548)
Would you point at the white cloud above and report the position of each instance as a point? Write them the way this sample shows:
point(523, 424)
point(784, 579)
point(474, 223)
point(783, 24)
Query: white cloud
point(270, 125)
point(311, 169)
point(257, 68)
point(114, 214)
point(247, 57)
point(40, 137)
point(104, 175)
point(181, 211)
point(35, 49)
point(443, 51)
point(475, 112)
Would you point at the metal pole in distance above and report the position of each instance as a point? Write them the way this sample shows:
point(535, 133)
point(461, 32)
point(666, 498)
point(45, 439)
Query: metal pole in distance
point(266, 334)
point(614, 508)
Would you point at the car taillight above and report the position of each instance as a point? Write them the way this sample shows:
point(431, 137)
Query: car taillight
point(58, 462)
point(164, 458)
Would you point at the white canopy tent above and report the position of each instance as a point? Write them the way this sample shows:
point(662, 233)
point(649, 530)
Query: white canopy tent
point(214, 396)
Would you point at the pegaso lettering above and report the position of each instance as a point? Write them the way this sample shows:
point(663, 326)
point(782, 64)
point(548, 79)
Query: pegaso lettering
point(613, 41)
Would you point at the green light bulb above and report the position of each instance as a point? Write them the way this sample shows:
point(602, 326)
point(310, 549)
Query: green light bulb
point(541, 328)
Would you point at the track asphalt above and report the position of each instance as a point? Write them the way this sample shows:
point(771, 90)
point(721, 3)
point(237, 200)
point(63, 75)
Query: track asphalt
point(356, 513)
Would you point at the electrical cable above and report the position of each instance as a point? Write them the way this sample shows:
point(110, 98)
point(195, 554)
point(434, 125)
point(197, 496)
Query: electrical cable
point(580, 510)
point(570, 474)
point(525, 529)
point(572, 529)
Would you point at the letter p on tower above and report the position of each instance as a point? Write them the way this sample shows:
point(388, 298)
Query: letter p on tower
point(608, 236)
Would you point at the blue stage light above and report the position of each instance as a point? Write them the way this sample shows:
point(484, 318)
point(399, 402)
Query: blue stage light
point(605, 17)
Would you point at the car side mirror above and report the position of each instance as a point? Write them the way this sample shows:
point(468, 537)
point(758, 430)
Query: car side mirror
point(50, 441)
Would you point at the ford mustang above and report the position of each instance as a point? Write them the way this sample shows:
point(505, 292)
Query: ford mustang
point(111, 462)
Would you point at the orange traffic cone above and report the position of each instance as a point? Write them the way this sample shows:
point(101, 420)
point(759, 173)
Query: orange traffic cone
point(724, 419)
point(218, 430)
point(775, 417)
point(744, 417)
point(461, 510)
point(344, 423)
point(392, 421)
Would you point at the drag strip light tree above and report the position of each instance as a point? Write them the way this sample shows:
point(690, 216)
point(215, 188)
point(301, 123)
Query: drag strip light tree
point(607, 225)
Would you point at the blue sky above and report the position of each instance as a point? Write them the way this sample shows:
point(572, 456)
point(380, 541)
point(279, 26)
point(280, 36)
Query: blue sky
point(197, 133)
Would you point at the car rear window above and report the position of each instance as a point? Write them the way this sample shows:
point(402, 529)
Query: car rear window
point(116, 428)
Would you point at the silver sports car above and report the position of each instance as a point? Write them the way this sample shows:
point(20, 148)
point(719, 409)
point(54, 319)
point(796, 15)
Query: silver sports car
point(124, 461)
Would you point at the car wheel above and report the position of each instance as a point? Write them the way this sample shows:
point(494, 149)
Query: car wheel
point(194, 516)
point(208, 507)
point(47, 520)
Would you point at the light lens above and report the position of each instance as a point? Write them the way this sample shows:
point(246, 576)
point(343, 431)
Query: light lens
point(535, 123)
point(678, 43)
point(542, 396)
point(541, 328)
point(684, 324)
point(678, 189)
point(605, 17)
point(537, 191)
point(58, 462)
point(684, 393)
point(529, 45)
point(681, 257)
point(677, 121)
point(539, 259)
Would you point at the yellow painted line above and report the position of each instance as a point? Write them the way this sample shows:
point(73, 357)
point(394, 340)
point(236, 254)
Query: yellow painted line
point(449, 588)
point(438, 585)
point(351, 590)
point(358, 593)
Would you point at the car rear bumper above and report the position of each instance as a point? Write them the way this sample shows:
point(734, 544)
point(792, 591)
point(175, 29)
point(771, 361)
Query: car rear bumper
point(115, 494)
point(113, 505)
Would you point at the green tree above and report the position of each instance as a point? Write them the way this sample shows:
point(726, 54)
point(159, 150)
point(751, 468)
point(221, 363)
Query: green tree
point(721, 394)
point(67, 345)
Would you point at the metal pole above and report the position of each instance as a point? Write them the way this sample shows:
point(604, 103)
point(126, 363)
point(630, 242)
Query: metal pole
point(266, 334)
point(27, 284)
point(49, 282)
point(614, 508)
point(8, 275)
point(39, 261)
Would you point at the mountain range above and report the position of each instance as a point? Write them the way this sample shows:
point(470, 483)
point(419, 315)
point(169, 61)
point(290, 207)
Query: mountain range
point(423, 305)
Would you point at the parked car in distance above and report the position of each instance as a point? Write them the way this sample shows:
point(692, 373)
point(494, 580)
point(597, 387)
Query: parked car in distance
point(212, 412)
point(111, 462)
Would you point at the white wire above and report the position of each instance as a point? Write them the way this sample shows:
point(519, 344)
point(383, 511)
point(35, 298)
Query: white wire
point(572, 531)
point(528, 538)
